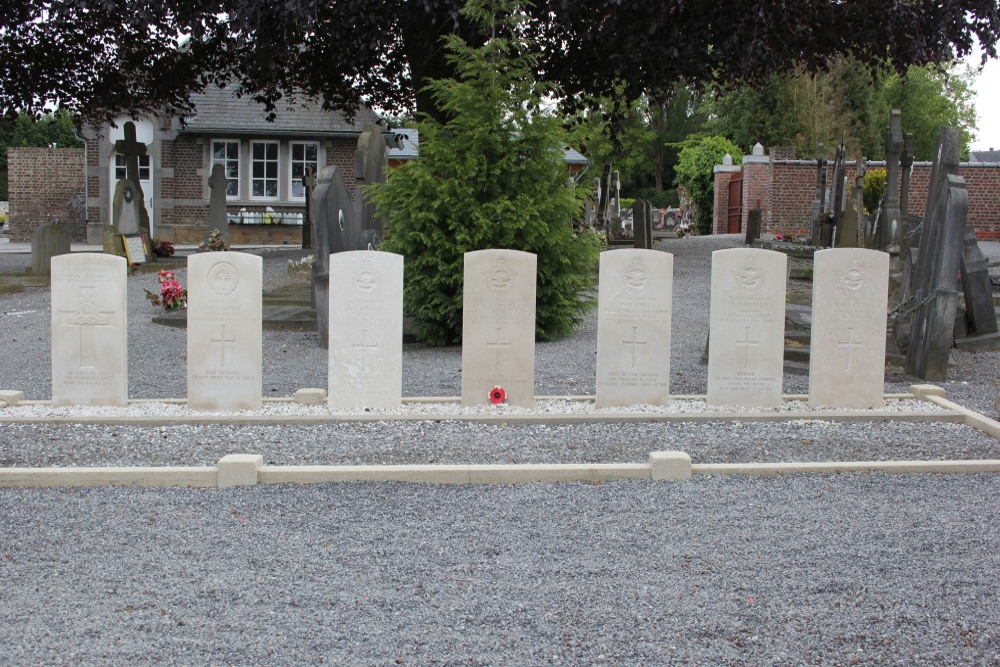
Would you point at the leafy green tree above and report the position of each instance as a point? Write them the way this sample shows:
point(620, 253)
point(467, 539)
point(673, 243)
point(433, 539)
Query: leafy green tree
point(694, 172)
point(930, 99)
point(492, 176)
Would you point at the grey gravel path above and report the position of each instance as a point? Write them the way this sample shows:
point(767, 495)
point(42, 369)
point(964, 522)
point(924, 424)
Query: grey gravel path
point(848, 569)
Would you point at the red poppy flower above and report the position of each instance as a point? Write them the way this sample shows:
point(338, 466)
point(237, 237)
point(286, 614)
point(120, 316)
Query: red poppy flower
point(498, 395)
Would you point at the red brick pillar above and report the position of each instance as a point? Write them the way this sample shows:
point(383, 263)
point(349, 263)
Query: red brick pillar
point(757, 186)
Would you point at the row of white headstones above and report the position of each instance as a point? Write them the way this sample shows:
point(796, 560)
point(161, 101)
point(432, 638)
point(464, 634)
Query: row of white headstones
point(746, 345)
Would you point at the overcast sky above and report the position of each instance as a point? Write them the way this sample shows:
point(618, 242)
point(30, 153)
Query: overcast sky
point(987, 104)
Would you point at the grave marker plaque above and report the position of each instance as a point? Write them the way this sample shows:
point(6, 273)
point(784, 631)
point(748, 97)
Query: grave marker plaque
point(366, 330)
point(498, 326)
point(847, 347)
point(633, 328)
point(747, 328)
point(224, 345)
point(89, 330)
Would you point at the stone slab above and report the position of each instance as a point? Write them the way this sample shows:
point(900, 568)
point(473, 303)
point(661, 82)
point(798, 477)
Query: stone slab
point(89, 330)
point(498, 326)
point(847, 347)
point(747, 326)
point(224, 341)
point(633, 330)
point(365, 348)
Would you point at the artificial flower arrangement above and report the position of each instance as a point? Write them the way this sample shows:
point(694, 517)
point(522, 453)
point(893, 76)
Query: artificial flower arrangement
point(163, 248)
point(172, 295)
point(214, 242)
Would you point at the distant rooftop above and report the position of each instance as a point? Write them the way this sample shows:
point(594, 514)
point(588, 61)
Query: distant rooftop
point(410, 149)
point(984, 156)
point(219, 110)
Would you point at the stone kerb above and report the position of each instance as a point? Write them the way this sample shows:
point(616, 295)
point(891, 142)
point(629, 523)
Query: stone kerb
point(89, 330)
point(365, 348)
point(633, 331)
point(498, 326)
point(224, 332)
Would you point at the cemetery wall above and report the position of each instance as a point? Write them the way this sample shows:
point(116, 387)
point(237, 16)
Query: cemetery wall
point(46, 186)
point(786, 189)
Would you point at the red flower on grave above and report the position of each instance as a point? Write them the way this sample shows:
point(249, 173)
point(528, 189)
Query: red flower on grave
point(498, 395)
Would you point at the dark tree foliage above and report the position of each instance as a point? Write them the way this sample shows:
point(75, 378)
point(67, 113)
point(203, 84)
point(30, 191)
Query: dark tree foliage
point(101, 57)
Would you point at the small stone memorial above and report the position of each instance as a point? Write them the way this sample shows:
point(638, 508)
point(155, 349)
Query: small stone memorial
point(747, 328)
point(334, 230)
point(47, 241)
point(498, 326)
point(633, 327)
point(224, 345)
point(847, 347)
point(366, 330)
point(89, 330)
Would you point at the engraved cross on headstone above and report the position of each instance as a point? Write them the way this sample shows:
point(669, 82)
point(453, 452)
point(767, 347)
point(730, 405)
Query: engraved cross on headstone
point(746, 343)
point(131, 149)
point(850, 344)
point(363, 346)
point(87, 318)
point(222, 340)
point(497, 345)
point(633, 343)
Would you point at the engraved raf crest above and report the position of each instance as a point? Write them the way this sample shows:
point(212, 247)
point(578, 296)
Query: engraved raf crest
point(367, 280)
point(222, 278)
point(636, 276)
point(854, 278)
point(750, 277)
point(499, 279)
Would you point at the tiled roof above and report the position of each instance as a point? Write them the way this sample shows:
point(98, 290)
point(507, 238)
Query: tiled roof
point(984, 156)
point(218, 110)
point(411, 148)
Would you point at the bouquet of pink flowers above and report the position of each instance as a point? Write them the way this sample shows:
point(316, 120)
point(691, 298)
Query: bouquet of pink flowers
point(171, 295)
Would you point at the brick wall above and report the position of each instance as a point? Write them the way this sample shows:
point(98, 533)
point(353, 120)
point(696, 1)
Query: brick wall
point(340, 152)
point(46, 186)
point(787, 187)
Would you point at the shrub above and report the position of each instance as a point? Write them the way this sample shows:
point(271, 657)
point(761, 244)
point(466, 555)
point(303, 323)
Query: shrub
point(694, 172)
point(492, 176)
point(874, 189)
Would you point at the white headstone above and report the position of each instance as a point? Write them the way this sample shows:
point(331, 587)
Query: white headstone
point(747, 328)
point(847, 346)
point(498, 326)
point(366, 330)
point(89, 330)
point(224, 345)
point(633, 327)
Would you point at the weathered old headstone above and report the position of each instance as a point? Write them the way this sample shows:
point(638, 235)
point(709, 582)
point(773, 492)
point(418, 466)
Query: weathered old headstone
point(308, 185)
point(889, 222)
point(371, 161)
point(819, 199)
point(633, 327)
point(835, 219)
point(753, 226)
point(934, 292)
point(89, 330)
point(602, 204)
point(47, 242)
point(615, 202)
point(217, 218)
point(850, 233)
point(224, 344)
point(642, 224)
point(847, 346)
point(334, 230)
point(980, 313)
point(498, 326)
point(747, 328)
point(128, 207)
point(366, 331)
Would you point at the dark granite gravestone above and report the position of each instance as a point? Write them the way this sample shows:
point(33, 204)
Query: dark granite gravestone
point(217, 202)
point(308, 185)
point(889, 223)
point(371, 160)
point(934, 293)
point(980, 313)
point(46, 242)
point(753, 226)
point(335, 230)
point(642, 224)
point(819, 200)
point(833, 222)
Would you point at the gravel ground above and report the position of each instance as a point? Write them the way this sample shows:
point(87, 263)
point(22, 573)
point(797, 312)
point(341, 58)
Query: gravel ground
point(847, 569)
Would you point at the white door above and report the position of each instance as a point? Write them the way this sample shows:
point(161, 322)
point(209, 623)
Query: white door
point(143, 133)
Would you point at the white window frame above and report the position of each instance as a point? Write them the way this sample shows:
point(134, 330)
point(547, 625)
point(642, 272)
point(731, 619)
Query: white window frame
point(277, 170)
point(292, 161)
point(226, 163)
point(120, 168)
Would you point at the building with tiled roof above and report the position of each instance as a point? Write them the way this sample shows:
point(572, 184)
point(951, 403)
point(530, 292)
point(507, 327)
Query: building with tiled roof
point(984, 156)
point(263, 160)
